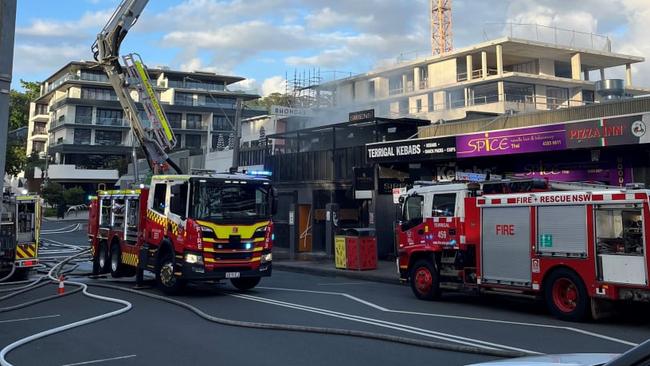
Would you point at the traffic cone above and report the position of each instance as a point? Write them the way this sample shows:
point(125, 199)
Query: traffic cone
point(61, 289)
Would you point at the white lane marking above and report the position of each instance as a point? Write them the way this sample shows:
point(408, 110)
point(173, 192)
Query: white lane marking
point(32, 318)
point(98, 361)
point(341, 283)
point(68, 229)
point(385, 324)
point(354, 298)
point(485, 320)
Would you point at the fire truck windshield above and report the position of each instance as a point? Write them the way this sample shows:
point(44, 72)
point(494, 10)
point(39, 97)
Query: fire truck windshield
point(218, 200)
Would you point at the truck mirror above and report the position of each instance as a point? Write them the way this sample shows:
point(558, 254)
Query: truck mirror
point(274, 201)
point(401, 200)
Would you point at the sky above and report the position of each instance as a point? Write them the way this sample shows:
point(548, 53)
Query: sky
point(265, 40)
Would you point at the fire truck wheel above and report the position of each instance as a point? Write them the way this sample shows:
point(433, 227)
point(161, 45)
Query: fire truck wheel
point(117, 267)
point(243, 284)
point(165, 277)
point(102, 258)
point(566, 295)
point(425, 281)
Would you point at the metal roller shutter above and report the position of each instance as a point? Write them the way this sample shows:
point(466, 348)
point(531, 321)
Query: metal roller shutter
point(506, 256)
point(562, 230)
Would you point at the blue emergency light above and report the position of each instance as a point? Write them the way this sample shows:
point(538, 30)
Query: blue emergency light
point(262, 173)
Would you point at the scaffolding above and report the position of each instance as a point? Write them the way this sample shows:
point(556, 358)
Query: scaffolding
point(302, 87)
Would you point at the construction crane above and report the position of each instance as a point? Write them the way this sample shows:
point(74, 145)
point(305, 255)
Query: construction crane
point(157, 138)
point(441, 26)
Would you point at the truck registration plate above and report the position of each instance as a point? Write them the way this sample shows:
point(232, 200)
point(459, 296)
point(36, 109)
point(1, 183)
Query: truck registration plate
point(232, 274)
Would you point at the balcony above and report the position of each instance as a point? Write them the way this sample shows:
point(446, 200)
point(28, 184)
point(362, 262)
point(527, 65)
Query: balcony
point(116, 122)
point(476, 74)
point(39, 132)
point(83, 120)
point(396, 91)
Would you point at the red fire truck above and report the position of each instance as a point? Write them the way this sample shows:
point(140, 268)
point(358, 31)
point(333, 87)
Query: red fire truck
point(186, 228)
point(579, 249)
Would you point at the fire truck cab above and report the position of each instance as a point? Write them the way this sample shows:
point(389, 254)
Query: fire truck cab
point(579, 249)
point(186, 228)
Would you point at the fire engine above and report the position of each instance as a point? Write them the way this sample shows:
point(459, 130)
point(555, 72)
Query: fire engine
point(20, 226)
point(186, 228)
point(579, 247)
point(203, 226)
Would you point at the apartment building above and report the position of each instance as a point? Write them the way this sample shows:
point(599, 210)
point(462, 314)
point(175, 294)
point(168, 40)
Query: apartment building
point(490, 78)
point(77, 121)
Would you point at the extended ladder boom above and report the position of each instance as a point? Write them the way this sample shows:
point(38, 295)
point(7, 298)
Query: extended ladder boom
point(156, 138)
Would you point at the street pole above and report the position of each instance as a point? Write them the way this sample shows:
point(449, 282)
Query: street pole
point(237, 125)
point(7, 29)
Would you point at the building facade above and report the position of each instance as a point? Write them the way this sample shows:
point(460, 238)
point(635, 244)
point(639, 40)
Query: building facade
point(503, 75)
point(77, 120)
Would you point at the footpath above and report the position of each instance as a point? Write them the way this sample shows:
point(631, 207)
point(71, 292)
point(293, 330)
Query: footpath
point(322, 265)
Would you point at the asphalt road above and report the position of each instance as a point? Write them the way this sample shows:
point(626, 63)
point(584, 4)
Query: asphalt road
point(158, 333)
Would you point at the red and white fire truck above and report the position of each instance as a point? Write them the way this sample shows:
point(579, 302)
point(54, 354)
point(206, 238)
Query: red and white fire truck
point(579, 247)
point(186, 228)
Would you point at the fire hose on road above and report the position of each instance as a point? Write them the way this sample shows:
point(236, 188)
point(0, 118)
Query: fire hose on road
point(58, 268)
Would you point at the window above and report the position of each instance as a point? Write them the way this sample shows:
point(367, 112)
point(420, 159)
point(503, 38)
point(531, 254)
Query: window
point(193, 121)
point(159, 193)
point(81, 136)
point(93, 76)
point(371, 89)
point(217, 200)
point(444, 204)
point(619, 231)
point(178, 200)
point(413, 208)
point(103, 137)
point(556, 97)
point(41, 109)
point(484, 93)
point(98, 94)
point(220, 123)
point(518, 92)
point(175, 120)
point(83, 115)
point(418, 105)
point(109, 117)
point(193, 141)
point(38, 146)
point(184, 99)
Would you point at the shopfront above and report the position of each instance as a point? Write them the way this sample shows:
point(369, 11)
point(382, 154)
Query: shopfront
point(613, 151)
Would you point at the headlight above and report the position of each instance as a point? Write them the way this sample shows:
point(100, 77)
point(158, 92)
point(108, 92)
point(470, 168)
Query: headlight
point(266, 258)
point(260, 232)
point(192, 258)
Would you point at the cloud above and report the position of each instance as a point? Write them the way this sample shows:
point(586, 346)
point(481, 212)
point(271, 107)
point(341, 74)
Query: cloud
point(274, 84)
point(42, 59)
point(89, 23)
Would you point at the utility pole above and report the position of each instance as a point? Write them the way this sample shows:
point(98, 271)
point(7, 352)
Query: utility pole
point(7, 29)
point(237, 125)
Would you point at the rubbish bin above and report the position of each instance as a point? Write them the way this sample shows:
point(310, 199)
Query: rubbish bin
point(361, 249)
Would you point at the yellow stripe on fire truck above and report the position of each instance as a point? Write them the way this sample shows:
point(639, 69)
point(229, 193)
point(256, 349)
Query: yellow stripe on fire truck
point(130, 259)
point(25, 251)
point(162, 221)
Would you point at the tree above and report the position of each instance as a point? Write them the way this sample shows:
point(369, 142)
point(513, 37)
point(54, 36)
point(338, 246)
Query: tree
point(34, 161)
point(74, 196)
point(272, 99)
point(15, 157)
point(52, 193)
point(19, 103)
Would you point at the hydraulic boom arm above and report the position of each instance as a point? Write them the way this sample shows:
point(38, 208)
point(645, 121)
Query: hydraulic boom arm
point(157, 138)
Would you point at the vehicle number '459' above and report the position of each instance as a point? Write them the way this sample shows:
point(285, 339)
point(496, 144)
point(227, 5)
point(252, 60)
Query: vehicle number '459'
point(232, 274)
